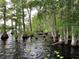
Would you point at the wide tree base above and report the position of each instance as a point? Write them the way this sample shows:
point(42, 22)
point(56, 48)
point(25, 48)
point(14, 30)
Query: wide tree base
point(44, 36)
point(46, 33)
point(25, 37)
point(4, 37)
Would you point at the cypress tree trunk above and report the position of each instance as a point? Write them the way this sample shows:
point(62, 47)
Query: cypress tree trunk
point(20, 27)
point(66, 35)
point(12, 25)
point(4, 36)
point(23, 17)
point(4, 13)
point(54, 26)
point(16, 29)
point(30, 19)
point(53, 12)
point(15, 15)
point(73, 39)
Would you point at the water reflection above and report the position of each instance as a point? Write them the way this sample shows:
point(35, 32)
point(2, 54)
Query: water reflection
point(37, 49)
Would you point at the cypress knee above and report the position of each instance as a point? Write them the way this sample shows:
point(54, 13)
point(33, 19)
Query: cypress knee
point(25, 37)
point(36, 38)
point(4, 37)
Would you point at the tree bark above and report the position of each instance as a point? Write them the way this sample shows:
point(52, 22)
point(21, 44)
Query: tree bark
point(73, 39)
point(4, 13)
point(23, 17)
point(30, 19)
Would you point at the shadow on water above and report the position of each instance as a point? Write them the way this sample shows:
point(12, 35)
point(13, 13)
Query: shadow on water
point(63, 51)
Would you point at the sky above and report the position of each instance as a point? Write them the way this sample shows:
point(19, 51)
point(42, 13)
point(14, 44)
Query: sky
point(8, 0)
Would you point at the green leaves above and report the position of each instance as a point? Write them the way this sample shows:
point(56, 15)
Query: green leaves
point(2, 2)
point(51, 13)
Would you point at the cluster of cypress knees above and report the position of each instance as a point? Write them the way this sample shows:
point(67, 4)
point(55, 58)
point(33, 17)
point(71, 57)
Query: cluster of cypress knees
point(57, 41)
point(5, 36)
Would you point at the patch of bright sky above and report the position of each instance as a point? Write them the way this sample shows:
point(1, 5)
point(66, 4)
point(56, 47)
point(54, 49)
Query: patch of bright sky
point(8, 0)
point(57, 0)
point(9, 3)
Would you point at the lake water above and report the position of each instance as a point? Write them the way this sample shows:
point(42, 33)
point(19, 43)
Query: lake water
point(37, 49)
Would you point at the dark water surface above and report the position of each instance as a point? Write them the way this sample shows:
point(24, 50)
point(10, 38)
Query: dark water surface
point(37, 49)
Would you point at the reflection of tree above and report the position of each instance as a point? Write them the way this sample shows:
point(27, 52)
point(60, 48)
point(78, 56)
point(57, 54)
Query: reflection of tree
point(17, 54)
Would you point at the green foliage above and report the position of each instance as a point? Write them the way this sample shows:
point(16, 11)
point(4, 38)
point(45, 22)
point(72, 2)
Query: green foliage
point(52, 14)
point(2, 2)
